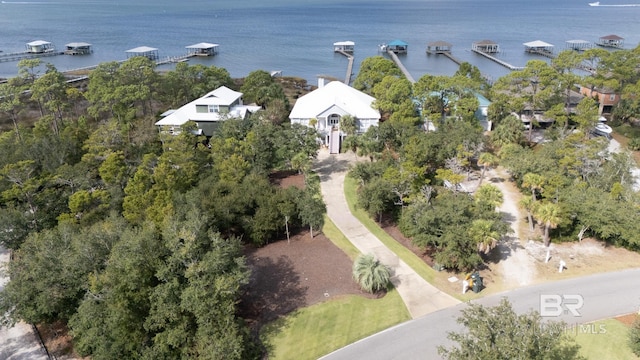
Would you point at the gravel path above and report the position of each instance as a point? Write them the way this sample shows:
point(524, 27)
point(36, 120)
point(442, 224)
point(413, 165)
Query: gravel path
point(517, 267)
point(18, 342)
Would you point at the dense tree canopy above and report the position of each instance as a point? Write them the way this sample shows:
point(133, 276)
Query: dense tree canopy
point(132, 237)
point(495, 333)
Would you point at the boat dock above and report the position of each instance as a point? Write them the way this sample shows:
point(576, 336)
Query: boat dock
point(347, 77)
point(174, 59)
point(27, 55)
point(346, 48)
point(495, 59)
point(396, 60)
point(452, 58)
point(544, 53)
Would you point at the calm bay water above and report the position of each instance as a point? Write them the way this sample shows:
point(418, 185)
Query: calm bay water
point(296, 37)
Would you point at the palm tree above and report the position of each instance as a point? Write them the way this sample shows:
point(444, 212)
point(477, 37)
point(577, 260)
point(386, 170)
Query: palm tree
point(534, 182)
point(529, 205)
point(489, 197)
point(370, 273)
point(548, 214)
point(486, 160)
point(483, 233)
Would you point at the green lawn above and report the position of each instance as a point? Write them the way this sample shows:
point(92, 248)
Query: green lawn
point(605, 339)
point(322, 328)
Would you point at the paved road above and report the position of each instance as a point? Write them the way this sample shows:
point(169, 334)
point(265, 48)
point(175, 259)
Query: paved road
point(419, 296)
point(605, 295)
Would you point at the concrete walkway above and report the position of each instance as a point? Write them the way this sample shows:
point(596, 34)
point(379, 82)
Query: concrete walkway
point(419, 296)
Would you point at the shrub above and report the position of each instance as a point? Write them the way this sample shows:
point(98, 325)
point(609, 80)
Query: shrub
point(370, 273)
point(634, 144)
point(634, 336)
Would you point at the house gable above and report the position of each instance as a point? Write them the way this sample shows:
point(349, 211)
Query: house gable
point(333, 110)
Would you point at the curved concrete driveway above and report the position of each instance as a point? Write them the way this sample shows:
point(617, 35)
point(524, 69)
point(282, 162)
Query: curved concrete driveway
point(605, 295)
point(419, 296)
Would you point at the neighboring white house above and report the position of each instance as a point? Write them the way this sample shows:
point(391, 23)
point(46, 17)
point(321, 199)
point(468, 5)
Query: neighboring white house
point(207, 112)
point(328, 104)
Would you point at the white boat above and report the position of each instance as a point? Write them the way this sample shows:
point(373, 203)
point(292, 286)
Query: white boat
point(603, 130)
point(597, 3)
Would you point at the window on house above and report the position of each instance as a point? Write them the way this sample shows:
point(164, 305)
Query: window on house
point(612, 97)
point(214, 108)
point(334, 119)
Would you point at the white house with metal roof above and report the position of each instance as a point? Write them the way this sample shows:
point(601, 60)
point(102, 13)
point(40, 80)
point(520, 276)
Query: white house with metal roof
point(328, 104)
point(207, 112)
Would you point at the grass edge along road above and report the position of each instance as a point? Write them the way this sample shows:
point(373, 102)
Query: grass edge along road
point(317, 330)
point(605, 339)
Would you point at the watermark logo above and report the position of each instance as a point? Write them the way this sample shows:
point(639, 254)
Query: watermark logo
point(553, 305)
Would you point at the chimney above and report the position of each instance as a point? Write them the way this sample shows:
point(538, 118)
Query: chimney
point(320, 82)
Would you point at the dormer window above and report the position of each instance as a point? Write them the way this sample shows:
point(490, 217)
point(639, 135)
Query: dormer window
point(207, 108)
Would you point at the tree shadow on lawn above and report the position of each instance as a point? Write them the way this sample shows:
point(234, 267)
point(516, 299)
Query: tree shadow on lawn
point(274, 289)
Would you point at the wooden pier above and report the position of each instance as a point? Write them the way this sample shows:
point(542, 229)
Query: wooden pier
point(452, 58)
point(174, 59)
point(492, 58)
point(347, 78)
point(27, 55)
point(396, 60)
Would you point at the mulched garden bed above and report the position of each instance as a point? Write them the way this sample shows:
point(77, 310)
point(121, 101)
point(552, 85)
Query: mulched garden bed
point(290, 275)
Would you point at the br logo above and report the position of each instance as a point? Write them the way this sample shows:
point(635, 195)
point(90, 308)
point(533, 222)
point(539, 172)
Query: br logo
point(553, 305)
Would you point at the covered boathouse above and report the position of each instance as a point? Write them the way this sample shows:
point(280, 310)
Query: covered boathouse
point(486, 46)
point(538, 47)
point(148, 52)
point(202, 49)
point(439, 47)
point(578, 45)
point(344, 46)
point(398, 47)
point(78, 48)
point(40, 47)
point(613, 41)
